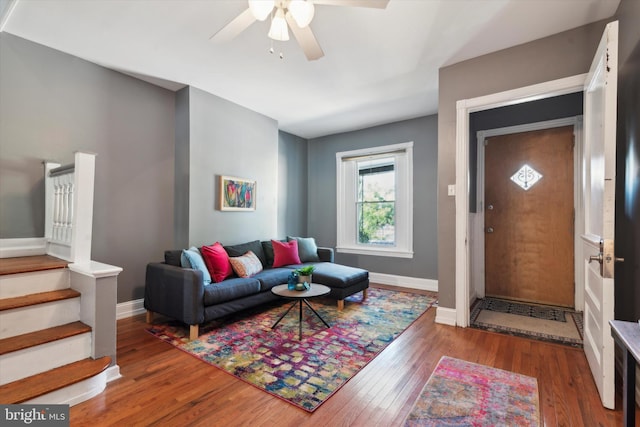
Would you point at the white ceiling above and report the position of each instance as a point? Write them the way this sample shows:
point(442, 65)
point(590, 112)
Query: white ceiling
point(380, 66)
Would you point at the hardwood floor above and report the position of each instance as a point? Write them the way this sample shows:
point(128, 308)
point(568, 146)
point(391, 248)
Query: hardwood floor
point(161, 385)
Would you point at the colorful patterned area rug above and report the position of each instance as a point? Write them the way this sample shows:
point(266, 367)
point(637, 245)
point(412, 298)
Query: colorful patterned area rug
point(460, 393)
point(303, 372)
point(546, 323)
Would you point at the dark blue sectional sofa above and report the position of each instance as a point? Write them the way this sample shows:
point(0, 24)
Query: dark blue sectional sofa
point(180, 293)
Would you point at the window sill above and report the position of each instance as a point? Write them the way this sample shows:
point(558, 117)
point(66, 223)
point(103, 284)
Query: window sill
point(395, 253)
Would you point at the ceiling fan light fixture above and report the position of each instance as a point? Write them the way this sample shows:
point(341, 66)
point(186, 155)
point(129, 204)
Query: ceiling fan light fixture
point(302, 12)
point(279, 29)
point(261, 8)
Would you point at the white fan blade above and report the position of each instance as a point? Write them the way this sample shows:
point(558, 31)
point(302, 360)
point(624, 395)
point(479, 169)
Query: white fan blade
point(305, 38)
point(376, 4)
point(235, 27)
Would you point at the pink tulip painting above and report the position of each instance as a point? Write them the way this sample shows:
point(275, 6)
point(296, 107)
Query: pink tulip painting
point(237, 194)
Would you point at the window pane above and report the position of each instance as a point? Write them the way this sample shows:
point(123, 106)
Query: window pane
point(376, 201)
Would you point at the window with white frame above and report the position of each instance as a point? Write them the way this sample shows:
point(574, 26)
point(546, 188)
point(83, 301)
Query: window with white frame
point(375, 201)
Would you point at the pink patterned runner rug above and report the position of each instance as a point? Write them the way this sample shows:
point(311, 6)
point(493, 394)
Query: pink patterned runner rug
point(303, 372)
point(460, 393)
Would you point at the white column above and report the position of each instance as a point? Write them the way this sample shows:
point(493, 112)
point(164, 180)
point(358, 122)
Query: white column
point(82, 207)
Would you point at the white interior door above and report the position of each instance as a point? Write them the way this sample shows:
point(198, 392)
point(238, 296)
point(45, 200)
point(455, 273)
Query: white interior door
point(599, 198)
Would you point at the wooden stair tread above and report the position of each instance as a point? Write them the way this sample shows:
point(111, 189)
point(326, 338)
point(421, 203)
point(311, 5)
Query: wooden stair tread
point(32, 339)
point(39, 298)
point(30, 263)
point(55, 379)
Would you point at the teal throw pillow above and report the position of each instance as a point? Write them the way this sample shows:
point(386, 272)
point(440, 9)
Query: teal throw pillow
point(307, 248)
point(191, 258)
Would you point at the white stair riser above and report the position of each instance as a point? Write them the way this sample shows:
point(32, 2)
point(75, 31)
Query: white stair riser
point(17, 285)
point(31, 361)
point(36, 317)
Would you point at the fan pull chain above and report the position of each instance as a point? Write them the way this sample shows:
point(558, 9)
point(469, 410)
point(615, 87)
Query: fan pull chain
point(272, 51)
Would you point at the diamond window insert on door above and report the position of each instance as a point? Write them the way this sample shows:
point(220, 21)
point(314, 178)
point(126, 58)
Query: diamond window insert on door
point(526, 177)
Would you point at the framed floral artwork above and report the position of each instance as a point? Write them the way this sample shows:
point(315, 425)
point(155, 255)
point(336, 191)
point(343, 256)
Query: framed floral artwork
point(237, 194)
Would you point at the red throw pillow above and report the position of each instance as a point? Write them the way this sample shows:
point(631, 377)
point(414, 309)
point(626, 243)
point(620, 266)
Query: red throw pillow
point(285, 253)
point(217, 261)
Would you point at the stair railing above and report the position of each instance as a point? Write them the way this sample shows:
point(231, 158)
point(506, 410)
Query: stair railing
point(69, 208)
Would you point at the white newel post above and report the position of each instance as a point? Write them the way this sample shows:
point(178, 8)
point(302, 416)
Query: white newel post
point(68, 232)
point(82, 224)
point(98, 284)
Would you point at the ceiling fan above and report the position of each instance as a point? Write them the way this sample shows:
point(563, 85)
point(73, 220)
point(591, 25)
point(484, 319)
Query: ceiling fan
point(285, 14)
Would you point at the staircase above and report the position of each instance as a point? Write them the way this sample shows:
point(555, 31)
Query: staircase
point(45, 350)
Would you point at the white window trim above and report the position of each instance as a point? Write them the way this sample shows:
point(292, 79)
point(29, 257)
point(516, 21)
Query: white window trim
point(346, 241)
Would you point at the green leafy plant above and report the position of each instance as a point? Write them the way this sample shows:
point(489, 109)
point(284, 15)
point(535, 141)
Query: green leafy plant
point(306, 270)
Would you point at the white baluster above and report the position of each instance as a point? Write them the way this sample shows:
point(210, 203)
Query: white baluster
point(68, 196)
point(71, 210)
point(63, 209)
point(57, 208)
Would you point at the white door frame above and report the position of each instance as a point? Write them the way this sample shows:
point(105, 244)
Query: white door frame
point(477, 224)
point(464, 108)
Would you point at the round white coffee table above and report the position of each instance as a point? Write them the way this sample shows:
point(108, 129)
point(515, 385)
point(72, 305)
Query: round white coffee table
point(299, 297)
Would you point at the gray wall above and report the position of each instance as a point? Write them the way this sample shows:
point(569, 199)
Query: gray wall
point(561, 55)
point(322, 193)
point(227, 139)
point(627, 304)
point(292, 185)
point(52, 104)
point(182, 164)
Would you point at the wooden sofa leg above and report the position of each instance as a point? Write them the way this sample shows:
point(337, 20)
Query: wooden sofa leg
point(193, 332)
point(365, 294)
point(340, 304)
point(149, 316)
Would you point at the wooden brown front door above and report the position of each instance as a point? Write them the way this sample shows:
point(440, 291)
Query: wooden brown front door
point(529, 232)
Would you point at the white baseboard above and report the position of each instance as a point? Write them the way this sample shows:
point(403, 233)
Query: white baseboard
point(31, 246)
point(113, 373)
point(446, 316)
point(404, 281)
point(130, 308)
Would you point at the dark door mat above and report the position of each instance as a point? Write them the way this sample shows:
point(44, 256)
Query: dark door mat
point(535, 311)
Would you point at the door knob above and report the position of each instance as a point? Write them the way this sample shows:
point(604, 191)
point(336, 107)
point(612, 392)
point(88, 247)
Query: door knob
point(596, 258)
point(489, 229)
point(606, 258)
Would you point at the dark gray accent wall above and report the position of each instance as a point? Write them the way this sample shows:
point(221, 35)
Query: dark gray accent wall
point(562, 55)
point(52, 104)
point(322, 193)
point(627, 304)
point(292, 185)
point(226, 139)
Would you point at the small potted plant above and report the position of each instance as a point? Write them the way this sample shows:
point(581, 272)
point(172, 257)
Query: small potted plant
point(304, 273)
